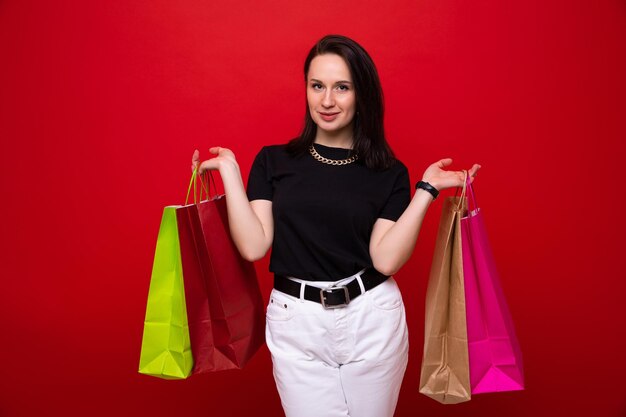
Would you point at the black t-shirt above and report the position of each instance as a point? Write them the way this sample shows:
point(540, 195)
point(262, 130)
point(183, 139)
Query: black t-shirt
point(324, 214)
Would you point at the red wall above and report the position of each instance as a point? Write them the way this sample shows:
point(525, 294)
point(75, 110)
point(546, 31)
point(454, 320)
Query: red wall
point(102, 104)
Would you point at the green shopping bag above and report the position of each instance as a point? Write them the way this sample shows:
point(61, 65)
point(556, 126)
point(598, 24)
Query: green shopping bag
point(166, 347)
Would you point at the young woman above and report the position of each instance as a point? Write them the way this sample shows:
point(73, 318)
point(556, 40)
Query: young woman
point(335, 206)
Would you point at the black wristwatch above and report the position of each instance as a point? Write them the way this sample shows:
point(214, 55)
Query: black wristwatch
point(426, 186)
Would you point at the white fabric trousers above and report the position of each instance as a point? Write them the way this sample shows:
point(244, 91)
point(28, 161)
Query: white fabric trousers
point(347, 361)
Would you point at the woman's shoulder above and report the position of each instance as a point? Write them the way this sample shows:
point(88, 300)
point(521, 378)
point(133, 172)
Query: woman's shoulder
point(397, 168)
point(274, 155)
point(273, 149)
point(268, 151)
point(278, 152)
point(398, 165)
point(279, 148)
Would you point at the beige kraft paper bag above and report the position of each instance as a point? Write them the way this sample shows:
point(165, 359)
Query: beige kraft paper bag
point(445, 364)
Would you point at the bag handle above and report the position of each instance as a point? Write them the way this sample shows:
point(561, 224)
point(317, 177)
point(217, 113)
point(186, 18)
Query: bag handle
point(206, 187)
point(472, 203)
point(463, 192)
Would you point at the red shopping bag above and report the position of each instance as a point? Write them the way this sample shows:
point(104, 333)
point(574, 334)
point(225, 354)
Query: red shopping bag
point(495, 357)
point(225, 307)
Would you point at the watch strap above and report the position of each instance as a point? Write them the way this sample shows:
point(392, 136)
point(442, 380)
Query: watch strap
point(427, 187)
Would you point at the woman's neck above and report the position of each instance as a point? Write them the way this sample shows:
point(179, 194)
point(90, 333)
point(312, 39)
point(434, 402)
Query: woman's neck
point(341, 139)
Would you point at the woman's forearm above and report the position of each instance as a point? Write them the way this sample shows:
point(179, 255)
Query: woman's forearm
point(397, 244)
point(246, 229)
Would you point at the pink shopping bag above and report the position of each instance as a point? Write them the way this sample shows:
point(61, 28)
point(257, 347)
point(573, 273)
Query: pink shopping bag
point(495, 357)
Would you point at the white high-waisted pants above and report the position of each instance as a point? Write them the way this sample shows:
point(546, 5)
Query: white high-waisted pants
point(347, 361)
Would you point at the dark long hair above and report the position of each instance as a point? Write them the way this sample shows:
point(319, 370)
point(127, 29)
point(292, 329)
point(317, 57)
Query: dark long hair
point(369, 141)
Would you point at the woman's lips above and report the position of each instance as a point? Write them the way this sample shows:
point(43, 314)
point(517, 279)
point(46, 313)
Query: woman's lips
point(329, 117)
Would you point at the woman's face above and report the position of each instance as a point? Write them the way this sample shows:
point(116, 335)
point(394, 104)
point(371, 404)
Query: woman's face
point(330, 93)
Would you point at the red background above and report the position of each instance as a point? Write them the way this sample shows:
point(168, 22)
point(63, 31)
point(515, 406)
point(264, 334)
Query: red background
point(103, 103)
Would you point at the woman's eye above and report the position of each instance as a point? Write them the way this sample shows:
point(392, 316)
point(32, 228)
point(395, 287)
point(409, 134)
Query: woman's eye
point(343, 87)
point(316, 86)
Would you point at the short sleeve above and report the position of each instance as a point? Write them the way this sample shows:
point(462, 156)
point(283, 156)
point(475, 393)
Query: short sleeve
point(260, 178)
point(400, 196)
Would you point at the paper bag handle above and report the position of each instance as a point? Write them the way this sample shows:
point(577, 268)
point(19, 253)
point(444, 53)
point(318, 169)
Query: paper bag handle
point(472, 203)
point(206, 187)
point(460, 203)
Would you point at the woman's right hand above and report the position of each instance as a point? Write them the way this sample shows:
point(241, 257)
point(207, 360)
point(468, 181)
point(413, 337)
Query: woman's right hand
point(224, 156)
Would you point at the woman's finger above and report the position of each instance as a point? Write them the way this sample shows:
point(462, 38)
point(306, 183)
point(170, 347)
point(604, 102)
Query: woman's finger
point(195, 159)
point(474, 170)
point(201, 168)
point(444, 162)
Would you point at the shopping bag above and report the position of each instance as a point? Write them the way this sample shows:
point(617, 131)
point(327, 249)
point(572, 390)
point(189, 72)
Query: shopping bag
point(165, 347)
point(445, 367)
point(495, 357)
point(224, 302)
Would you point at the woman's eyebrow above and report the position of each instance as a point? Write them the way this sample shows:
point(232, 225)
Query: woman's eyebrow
point(338, 82)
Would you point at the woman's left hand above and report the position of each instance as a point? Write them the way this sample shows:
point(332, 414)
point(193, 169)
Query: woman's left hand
point(436, 176)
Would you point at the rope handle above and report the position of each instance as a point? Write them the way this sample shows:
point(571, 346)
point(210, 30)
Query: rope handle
point(464, 189)
point(472, 203)
point(204, 185)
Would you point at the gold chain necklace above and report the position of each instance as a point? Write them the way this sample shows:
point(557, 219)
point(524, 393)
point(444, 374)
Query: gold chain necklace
point(332, 161)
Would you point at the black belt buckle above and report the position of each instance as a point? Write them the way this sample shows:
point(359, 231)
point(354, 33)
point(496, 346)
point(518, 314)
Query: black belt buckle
point(334, 290)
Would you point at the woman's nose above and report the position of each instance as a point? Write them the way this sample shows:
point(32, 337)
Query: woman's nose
point(328, 100)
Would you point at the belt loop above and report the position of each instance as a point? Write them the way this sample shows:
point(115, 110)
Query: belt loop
point(302, 287)
point(358, 278)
